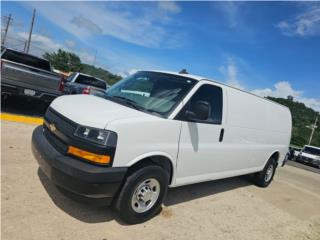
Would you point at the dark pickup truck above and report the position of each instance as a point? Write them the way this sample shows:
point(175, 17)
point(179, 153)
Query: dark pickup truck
point(28, 75)
point(79, 83)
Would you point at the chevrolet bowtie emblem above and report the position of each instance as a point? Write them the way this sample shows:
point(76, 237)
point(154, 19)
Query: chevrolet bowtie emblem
point(52, 127)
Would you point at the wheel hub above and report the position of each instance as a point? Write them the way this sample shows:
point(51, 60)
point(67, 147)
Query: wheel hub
point(269, 173)
point(145, 195)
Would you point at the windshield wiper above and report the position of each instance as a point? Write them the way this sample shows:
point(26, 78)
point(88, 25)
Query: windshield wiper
point(128, 101)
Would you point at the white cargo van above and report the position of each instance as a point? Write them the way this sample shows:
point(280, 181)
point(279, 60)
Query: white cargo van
point(156, 130)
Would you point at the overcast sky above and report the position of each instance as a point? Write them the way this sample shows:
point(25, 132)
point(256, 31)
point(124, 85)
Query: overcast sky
point(270, 48)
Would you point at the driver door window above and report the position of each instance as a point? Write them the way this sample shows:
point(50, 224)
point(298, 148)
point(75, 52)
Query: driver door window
point(210, 94)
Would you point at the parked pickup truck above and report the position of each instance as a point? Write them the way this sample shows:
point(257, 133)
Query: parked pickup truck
point(28, 75)
point(155, 130)
point(79, 83)
point(310, 155)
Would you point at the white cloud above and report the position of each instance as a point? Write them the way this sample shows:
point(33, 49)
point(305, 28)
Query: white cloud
point(230, 11)
point(146, 27)
point(128, 72)
point(311, 102)
point(39, 43)
point(307, 23)
point(169, 6)
point(230, 71)
point(86, 57)
point(283, 89)
point(86, 23)
point(70, 44)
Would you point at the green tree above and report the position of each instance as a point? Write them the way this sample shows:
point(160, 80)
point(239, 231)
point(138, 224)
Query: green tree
point(100, 73)
point(64, 61)
point(70, 62)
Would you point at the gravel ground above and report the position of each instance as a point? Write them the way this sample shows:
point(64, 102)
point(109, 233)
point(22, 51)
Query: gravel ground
point(33, 208)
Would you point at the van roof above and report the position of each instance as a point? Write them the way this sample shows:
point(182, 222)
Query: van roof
point(199, 78)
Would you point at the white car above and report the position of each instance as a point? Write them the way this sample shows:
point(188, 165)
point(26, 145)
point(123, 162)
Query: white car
point(157, 130)
point(310, 154)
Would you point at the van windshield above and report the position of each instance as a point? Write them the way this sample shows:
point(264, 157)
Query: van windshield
point(153, 92)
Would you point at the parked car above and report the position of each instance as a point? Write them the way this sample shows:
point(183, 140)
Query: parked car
point(79, 83)
point(293, 153)
point(310, 155)
point(156, 130)
point(27, 75)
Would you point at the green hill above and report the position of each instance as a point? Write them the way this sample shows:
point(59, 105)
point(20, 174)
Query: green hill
point(302, 118)
point(100, 73)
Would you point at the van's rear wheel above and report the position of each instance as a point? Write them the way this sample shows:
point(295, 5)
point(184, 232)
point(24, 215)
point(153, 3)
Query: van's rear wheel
point(264, 178)
point(142, 194)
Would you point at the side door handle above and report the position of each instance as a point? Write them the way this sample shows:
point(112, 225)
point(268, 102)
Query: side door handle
point(221, 135)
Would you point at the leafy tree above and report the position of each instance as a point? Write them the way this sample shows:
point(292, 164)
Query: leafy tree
point(64, 61)
point(70, 62)
point(100, 73)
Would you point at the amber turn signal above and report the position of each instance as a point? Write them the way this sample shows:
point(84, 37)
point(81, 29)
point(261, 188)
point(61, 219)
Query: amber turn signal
point(92, 157)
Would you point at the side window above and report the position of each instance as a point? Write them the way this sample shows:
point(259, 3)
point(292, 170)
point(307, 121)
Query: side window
point(71, 77)
point(212, 95)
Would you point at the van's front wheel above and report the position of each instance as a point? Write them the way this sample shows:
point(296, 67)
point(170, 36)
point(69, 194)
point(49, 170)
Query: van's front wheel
point(142, 194)
point(264, 178)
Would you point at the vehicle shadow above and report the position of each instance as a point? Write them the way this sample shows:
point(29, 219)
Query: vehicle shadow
point(75, 207)
point(200, 190)
point(23, 106)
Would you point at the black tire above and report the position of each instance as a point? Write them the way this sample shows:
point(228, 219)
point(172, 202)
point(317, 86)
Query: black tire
point(123, 203)
point(260, 178)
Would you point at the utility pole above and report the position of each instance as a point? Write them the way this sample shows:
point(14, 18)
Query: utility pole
point(25, 46)
point(313, 128)
point(30, 32)
point(6, 30)
point(94, 60)
point(95, 57)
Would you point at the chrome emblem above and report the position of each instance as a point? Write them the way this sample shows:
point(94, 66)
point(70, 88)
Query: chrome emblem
point(52, 127)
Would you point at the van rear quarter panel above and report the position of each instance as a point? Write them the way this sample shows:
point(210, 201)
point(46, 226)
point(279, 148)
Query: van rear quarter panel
point(256, 125)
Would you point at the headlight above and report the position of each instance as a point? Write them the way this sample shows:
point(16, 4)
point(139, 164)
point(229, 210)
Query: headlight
point(95, 135)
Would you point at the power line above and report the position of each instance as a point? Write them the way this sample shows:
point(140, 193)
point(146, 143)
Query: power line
point(30, 32)
point(6, 30)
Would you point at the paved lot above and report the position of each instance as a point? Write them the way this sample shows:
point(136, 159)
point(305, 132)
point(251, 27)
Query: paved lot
point(311, 168)
point(32, 208)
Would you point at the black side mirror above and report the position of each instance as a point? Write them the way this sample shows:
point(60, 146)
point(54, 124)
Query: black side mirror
point(201, 110)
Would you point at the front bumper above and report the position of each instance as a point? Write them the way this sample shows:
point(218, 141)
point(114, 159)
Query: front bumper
point(96, 182)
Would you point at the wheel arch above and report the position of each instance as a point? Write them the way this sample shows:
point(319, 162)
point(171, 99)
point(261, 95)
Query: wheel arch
point(161, 159)
point(276, 155)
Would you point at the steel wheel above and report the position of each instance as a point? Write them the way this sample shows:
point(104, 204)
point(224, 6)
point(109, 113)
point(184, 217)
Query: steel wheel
point(269, 173)
point(145, 195)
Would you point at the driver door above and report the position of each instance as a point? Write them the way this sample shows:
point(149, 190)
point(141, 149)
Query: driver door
point(202, 152)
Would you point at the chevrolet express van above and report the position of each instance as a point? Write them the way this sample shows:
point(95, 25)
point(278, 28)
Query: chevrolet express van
point(155, 130)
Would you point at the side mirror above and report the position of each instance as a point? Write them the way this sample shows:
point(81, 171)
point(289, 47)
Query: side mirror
point(201, 110)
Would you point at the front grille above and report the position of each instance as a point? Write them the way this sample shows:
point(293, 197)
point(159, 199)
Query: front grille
point(59, 145)
point(59, 130)
point(64, 126)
